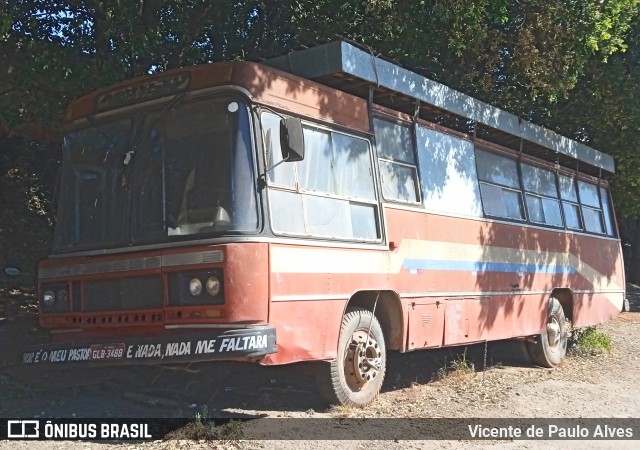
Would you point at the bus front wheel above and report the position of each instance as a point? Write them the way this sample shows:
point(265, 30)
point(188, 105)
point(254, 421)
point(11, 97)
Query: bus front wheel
point(355, 377)
point(550, 347)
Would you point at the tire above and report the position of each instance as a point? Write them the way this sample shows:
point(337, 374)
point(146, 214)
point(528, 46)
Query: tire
point(550, 347)
point(355, 377)
point(626, 306)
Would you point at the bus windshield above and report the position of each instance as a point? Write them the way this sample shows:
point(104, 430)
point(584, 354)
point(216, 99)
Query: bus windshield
point(184, 170)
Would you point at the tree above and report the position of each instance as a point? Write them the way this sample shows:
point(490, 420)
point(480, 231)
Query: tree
point(604, 110)
point(569, 64)
point(60, 49)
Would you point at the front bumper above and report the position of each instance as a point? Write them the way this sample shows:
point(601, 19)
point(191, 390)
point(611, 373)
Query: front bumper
point(250, 343)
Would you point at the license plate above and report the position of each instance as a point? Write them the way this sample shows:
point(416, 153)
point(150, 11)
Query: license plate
point(106, 351)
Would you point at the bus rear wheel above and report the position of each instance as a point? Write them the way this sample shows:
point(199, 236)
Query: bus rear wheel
point(550, 347)
point(355, 377)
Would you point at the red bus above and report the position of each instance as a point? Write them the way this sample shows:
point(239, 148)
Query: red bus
point(326, 205)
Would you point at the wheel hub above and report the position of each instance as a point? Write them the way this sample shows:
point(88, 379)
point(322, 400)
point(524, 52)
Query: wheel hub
point(553, 332)
point(365, 355)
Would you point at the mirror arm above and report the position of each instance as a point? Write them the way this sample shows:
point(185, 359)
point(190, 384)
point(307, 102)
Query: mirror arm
point(262, 179)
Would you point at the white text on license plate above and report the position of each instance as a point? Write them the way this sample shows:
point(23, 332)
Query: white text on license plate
point(107, 351)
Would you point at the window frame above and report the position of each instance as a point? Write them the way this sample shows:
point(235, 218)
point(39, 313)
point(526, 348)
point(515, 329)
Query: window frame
point(597, 209)
point(304, 193)
point(519, 190)
point(526, 193)
point(380, 157)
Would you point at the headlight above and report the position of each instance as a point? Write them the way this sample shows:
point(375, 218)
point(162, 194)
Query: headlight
point(55, 298)
point(195, 287)
point(48, 298)
point(62, 296)
point(213, 286)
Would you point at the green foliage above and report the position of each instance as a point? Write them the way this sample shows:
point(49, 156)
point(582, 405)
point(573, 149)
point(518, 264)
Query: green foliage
point(590, 341)
point(569, 64)
point(458, 367)
point(519, 54)
point(27, 175)
point(205, 429)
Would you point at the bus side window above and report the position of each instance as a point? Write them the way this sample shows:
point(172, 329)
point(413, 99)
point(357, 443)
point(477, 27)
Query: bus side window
point(589, 198)
point(541, 195)
point(499, 185)
point(604, 195)
point(330, 193)
point(570, 202)
point(284, 173)
point(397, 163)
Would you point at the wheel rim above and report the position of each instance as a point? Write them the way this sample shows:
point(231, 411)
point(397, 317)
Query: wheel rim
point(363, 360)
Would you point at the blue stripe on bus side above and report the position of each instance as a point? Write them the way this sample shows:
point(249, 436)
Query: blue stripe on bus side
point(479, 266)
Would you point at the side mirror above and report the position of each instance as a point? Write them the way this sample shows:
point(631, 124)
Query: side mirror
point(291, 139)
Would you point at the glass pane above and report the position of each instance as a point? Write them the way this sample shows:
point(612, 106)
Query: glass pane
point(608, 220)
point(286, 212)
point(92, 197)
point(534, 207)
point(393, 140)
point(501, 202)
point(175, 169)
point(551, 210)
point(363, 221)
point(538, 180)
point(588, 194)
point(150, 204)
point(326, 216)
point(567, 188)
point(207, 160)
point(284, 173)
point(315, 171)
point(90, 188)
point(512, 203)
point(492, 200)
point(398, 181)
point(571, 216)
point(448, 173)
point(592, 219)
point(352, 172)
point(497, 169)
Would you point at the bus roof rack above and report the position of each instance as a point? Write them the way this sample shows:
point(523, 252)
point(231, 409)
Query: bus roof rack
point(353, 68)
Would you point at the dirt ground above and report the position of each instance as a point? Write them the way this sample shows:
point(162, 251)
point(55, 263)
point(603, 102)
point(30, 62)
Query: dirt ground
point(508, 387)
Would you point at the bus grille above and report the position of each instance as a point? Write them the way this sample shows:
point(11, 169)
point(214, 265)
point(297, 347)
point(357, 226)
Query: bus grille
point(123, 294)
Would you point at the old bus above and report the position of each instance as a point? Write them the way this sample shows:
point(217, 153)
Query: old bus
point(325, 205)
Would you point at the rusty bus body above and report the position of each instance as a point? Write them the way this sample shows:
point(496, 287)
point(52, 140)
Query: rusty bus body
point(418, 218)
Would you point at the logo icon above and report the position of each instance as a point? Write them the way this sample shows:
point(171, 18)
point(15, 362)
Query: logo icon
point(22, 429)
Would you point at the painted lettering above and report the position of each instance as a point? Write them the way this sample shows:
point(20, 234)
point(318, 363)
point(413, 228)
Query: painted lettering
point(206, 346)
point(227, 345)
point(177, 349)
point(243, 343)
point(58, 355)
point(79, 354)
point(149, 351)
